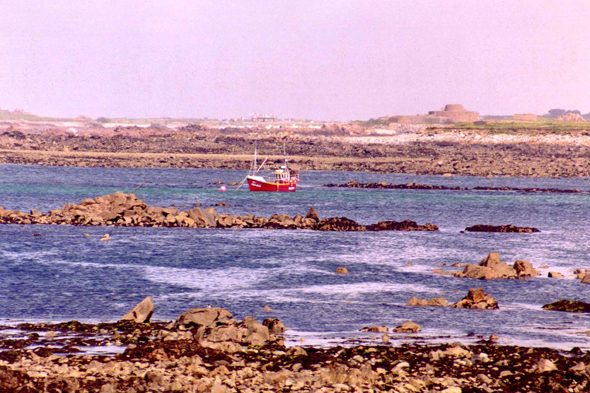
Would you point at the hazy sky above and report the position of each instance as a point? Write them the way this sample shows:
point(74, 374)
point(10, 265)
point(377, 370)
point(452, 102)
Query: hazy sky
point(325, 60)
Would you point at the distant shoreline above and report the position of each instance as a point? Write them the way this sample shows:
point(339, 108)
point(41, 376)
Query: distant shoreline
point(433, 152)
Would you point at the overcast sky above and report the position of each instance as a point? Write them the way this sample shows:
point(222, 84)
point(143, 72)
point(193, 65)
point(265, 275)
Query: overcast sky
point(324, 60)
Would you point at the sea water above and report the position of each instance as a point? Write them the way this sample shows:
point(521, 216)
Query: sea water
point(60, 274)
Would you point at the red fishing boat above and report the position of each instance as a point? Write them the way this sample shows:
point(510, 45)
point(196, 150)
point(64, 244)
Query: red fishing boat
point(283, 179)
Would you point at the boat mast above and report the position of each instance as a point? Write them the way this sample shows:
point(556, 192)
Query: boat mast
point(255, 153)
point(285, 154)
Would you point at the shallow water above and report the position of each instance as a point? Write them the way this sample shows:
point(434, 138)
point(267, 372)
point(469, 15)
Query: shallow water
point(64, 275)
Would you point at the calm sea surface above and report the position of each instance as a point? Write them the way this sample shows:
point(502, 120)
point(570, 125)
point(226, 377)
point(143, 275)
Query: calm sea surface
point(64, 275)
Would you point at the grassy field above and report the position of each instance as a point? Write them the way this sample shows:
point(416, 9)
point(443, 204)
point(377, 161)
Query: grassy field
point(543, 124)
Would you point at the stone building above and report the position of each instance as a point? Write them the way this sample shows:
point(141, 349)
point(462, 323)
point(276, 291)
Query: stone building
point(456, 113)
point(452, 113)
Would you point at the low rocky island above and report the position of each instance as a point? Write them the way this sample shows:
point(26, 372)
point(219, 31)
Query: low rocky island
point(418, 186)
point(121, 209)
point(207, 350)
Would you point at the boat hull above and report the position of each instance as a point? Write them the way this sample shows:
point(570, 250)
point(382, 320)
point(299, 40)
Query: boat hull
point(257, 185)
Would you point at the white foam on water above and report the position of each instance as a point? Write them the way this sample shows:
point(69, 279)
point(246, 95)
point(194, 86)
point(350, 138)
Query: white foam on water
point(211, 281)
point(521, 306)
point(24, 256)
point(363, 288)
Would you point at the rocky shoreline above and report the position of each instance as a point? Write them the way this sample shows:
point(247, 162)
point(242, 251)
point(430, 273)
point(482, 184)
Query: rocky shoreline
point(206, 350)
point(432, 152)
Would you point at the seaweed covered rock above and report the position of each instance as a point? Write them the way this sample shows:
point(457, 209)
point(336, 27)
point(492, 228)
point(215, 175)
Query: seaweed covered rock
point(569, 306)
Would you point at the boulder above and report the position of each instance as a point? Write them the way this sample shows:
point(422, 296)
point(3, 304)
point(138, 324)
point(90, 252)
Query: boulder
point(478, 300)
point(473, 271)
point(274, 325)
point(375, 329)
point(545, 365)
point(525, 269)
point(203, 218)
point(313, 214)
point(341, 270)
point(414, 301)
point(207, 317)
point(554, 275)
point(497, 268)
point(586, 279)
point(256, 333)
point(142, 313)
point(408, 327)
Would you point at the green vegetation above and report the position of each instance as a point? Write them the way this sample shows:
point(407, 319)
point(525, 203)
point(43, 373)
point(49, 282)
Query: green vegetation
point(382, 121)
point(514, 126)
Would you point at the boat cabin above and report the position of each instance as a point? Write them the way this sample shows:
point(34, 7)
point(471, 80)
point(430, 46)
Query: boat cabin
point(282, 175)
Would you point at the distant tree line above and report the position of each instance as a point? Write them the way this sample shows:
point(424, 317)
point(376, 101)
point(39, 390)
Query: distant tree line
point(555, 113)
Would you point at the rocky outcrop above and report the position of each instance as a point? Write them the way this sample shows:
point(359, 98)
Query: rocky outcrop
point(217, 329)
point(492, 268)
point(501, 228)
point(142, 313)
point(121, 209)
point(569, 306)
point(476, 299)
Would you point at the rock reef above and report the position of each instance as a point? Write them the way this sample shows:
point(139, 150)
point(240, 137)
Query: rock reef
point(492, 268)
point(121, 209)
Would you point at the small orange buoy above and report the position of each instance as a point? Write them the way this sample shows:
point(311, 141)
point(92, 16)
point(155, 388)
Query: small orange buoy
point(222, 188)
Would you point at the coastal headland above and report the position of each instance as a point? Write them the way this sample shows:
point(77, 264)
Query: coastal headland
point(436, 150)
